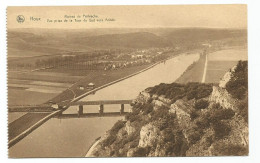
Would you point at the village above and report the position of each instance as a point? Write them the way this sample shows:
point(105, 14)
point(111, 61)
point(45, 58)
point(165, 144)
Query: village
point(136, 58)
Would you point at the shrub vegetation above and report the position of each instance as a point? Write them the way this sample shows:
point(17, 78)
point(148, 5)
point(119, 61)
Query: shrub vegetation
point(221, 129)
point(238, 84)
point(171, 139)
point(175, 91)
point(201, 104)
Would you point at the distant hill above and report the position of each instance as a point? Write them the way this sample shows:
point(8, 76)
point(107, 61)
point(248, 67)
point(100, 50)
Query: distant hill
point(37, 42)
point(29, 44)
point(21, 43)
point(127, 40)
point(197, 35)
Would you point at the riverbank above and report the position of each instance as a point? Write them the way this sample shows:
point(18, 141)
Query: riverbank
point(98, 77)
point(92, 147)
point(106, 84)
point(194, 72)
point(205, 69)
point(113, 82)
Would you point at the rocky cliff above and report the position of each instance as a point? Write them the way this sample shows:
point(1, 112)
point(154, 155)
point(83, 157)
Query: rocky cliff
point(181, 120)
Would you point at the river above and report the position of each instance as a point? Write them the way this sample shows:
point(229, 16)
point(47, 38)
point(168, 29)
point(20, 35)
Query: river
point(72, 137)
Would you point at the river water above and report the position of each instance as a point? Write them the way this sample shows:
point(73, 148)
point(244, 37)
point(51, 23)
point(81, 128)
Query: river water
point(72, 137)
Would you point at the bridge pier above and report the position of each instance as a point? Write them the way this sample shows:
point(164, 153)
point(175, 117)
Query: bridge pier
point(80, 111)
point(122, 110)
point(101, 109)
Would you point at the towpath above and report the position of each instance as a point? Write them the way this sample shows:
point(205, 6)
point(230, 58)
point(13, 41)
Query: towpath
point(205, 70)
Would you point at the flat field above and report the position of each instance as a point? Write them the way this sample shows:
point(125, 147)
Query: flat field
point(194, 72)
point(36, 87)
point(52, 84)
point(217, 69)
point(232, 54)
point(222, 61)
point(24, 97)
point(219, 63)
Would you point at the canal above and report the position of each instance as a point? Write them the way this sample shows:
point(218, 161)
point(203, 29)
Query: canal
point(72, 137)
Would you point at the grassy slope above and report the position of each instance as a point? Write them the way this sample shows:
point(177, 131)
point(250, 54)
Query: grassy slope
point(194, 73)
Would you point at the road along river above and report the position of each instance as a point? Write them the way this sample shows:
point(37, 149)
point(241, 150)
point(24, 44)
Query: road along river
point(72, 137)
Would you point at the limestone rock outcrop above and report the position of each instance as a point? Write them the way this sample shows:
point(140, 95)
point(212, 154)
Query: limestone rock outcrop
point(148, 135)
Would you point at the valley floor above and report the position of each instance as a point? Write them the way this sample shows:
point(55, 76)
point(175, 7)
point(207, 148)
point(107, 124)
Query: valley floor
point(32, 93)
point(219, 63)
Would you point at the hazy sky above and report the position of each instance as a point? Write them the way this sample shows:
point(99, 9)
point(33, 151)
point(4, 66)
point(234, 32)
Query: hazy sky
point(213, 16)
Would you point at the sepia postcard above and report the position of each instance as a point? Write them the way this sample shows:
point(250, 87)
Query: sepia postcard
point(127, 81)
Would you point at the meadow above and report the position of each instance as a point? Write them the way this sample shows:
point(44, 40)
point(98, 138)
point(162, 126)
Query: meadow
point(219, 62)
point(217, 69)
point(52, 85)
point(36, 87)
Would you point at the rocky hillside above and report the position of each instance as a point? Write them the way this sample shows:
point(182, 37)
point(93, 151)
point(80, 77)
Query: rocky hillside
point(184, 120)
